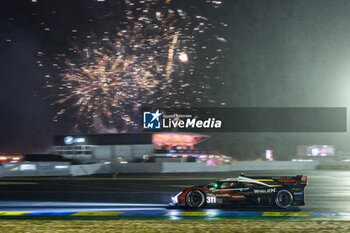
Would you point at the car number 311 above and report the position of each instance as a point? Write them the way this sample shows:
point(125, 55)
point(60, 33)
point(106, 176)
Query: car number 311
point(211, 199)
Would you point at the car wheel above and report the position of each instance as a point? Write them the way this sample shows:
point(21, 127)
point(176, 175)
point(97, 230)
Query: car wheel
point(195, 199)
point(283, 199)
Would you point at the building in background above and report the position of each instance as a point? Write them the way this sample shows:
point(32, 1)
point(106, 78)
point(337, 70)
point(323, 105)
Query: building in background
point(137, 147)
point(314, 152)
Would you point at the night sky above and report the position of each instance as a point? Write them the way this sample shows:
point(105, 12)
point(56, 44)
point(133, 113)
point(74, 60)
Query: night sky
point(263, 54)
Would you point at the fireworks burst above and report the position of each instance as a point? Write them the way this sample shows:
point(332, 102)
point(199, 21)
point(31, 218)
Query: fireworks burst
point(147, 61)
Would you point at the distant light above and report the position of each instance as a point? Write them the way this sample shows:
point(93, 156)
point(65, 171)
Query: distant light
point(124, 162)
point(183, 57)
point(269, 155)
point(315, 151)
point(173, 213)
point(211, 213)
point(61, 166)
point(79, 140)
point(16, 158)
point(221, 39)
point(27, 167)
point(68, 140)
point(302, 160)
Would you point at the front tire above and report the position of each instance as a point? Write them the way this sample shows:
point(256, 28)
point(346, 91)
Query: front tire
point(195, 199)
point(283, 199)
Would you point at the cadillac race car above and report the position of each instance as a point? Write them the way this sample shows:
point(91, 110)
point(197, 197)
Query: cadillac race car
point(281, 191)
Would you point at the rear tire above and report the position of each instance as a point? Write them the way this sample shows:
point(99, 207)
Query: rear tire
point(283, 199)
point(195, 199)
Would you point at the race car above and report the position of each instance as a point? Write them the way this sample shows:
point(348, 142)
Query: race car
point(281, 191)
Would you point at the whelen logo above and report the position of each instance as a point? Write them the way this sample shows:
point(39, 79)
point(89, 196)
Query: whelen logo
point(265, 190)
point(152, 120)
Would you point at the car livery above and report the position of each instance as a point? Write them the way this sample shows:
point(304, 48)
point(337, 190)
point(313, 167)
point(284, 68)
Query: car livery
point(282, 191)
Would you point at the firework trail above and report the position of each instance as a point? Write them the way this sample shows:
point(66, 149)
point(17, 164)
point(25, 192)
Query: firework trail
point(148, 61)
point(171, 56)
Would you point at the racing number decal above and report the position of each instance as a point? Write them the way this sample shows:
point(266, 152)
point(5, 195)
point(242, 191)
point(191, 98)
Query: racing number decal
point(211, 199)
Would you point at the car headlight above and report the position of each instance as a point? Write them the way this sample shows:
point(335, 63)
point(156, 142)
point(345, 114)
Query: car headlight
point(175, 198)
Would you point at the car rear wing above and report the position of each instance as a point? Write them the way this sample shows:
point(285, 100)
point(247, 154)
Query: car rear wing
point(302, 180)
point(282, 181)
point(290, 181)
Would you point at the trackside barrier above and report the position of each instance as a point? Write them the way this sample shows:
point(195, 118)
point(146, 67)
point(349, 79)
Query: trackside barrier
point(274, 165)
point(65, 169)
point(334, 165)
point(239, 166)
point(89, 169)
point(193, 167)
point(138, 168)
point(51, 169)
point(35, 169)
point(177, 167)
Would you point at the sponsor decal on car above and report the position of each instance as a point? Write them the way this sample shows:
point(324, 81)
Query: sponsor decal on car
point(223, 195)
point(211, 199)
point(264, 190)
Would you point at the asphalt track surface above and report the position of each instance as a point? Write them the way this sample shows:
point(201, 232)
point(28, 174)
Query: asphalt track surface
point(327, 194)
